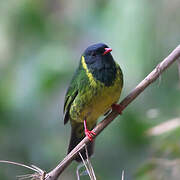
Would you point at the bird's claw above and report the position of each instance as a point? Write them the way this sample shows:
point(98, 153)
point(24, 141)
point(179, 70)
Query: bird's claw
point(118, 108)
point(89, 134)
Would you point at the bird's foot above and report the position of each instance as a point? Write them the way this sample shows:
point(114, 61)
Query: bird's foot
point(118, 108)
point(88, 133)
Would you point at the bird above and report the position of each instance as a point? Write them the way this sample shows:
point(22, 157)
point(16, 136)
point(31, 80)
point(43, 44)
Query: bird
point(93, 91)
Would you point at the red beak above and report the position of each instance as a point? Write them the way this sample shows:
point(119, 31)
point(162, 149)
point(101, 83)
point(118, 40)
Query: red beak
point(107, 50)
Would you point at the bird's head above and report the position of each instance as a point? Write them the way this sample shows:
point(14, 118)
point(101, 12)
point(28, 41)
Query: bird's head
point(98, 54)
point(99, 61)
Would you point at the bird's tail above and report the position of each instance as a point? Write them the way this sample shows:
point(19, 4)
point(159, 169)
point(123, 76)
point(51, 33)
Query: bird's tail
point(77, 135)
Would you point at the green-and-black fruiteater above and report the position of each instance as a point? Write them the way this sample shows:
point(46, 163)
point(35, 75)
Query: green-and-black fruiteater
point(94, 90)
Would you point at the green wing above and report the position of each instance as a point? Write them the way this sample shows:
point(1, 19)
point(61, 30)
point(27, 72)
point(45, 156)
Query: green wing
point(71, 94)
point(77, 82)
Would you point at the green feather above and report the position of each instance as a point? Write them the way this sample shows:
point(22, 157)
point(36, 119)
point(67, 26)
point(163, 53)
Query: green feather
point(77, 83)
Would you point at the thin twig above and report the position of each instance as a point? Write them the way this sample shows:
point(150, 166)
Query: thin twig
point(22, 165)
point(93, 177)
point(87, 164)
point(38, 175)
point(84, 162)
point(77, 170)
point(122, 178)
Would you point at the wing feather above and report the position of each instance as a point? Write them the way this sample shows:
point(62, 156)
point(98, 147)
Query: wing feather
point(71, 94)
point(69, 98)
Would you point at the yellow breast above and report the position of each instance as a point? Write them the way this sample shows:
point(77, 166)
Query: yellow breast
point(100, 100)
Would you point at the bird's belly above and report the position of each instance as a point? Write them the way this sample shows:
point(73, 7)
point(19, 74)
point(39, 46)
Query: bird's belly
point(94, 102)
point(100, 104)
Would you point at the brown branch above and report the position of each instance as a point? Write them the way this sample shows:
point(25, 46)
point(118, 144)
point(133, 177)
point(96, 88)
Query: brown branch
point(55, 173)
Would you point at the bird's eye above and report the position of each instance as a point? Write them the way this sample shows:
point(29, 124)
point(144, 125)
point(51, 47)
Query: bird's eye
point(93, 54)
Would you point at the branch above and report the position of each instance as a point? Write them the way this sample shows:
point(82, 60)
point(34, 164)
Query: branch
point(158, 70)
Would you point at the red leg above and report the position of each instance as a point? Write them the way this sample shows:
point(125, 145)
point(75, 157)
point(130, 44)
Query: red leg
point(88, 133)
point(118, 108)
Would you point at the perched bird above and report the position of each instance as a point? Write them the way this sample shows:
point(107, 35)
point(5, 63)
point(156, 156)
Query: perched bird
point(94, 90)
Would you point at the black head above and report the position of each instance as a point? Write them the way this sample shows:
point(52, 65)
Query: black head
point(96, 52)
point(100, 62)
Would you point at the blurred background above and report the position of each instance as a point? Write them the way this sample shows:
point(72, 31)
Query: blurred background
point(40, 45)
